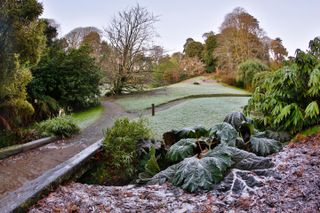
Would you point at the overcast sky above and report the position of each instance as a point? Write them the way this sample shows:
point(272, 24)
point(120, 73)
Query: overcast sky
point(294, 21)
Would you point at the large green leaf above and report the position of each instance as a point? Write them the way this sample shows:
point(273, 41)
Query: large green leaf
point(174, 135)
point(193, 174)
point(182, 149)
point(225, 133)
point(194, 132)
point(235, 119)
point(242, 124)
point(248, 161)
point(264, 146)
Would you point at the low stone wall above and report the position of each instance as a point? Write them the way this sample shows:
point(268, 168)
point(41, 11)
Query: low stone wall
point(12, 150)
point(31, 192)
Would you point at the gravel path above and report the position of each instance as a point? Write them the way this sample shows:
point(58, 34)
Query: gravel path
point(298, 190)
point(21, 168)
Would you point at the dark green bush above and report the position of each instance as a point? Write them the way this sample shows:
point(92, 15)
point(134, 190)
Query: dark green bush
point(71, 78)
point(60, 126)
point(120, 144)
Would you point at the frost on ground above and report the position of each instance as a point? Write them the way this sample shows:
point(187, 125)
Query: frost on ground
point(292, 186)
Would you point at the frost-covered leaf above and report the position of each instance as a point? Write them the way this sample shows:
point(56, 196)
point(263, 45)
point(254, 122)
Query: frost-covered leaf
point(225, 133)
point(174, 135)
point(194, 132)
point(264, 146)
point(248, 161)
point(278, 136)
point(182, 149)
point(235, 119)
point(193, 173)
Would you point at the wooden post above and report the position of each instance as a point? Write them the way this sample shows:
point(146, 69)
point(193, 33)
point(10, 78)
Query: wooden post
point(152, 108)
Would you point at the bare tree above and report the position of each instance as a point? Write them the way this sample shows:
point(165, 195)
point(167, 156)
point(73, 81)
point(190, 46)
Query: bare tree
point(129, 35)
point(75, 37)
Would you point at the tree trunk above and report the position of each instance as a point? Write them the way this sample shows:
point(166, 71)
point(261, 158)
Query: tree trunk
point(4, 123)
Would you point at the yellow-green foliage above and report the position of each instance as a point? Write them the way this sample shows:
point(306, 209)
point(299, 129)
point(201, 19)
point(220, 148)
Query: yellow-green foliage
point(13, 91)
point(120, 144)
point(248, 70)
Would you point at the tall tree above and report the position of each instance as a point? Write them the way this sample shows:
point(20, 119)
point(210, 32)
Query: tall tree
point(21, 44)
point(210, 43)
point(129, 35)
point(278, 51)
point(314, 47)
point(241, 38)
point(193, 48)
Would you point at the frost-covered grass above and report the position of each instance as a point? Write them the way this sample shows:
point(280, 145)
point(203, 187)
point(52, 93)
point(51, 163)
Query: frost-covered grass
point(175, 91)
point(202, 111)
point(86, 118)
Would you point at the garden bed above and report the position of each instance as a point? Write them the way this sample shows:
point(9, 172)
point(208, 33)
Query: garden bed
point(297, 168)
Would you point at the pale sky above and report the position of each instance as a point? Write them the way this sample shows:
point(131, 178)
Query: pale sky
point(294, 21)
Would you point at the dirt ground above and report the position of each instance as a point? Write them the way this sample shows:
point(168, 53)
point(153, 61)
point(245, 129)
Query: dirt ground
point(297, 190)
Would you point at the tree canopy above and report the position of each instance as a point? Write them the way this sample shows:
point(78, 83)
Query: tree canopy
point(21, 43)
point(241, 38)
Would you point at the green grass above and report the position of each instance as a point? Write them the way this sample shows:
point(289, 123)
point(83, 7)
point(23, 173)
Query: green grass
point(175, 91)
point(202, 111)
point(86, 118)
point(311, 131)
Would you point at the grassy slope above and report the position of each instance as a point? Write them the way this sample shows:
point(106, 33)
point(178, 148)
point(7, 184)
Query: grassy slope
point(165, 94)
point(203, 111)
point(88, 117)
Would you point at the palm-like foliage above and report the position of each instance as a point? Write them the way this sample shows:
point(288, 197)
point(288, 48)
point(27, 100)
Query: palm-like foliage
point(289, 99)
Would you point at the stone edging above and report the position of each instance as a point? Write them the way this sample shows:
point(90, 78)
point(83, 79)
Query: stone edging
point(30, 192)
point(12, 150)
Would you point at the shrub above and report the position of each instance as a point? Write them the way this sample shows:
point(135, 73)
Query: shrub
point(120, 144)
point(289, 98)
point(247, 70)
point(59, 126)
point(71, 78)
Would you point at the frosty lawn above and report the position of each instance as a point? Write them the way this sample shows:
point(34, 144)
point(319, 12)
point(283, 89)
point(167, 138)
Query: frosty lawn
point(176, 91)
point(202, 111)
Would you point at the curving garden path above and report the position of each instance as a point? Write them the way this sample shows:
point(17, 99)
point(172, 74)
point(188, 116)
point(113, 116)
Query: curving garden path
point(21, 169)
point(17, 170)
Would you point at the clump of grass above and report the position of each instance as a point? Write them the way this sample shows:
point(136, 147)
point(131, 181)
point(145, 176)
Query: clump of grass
point(63, 126)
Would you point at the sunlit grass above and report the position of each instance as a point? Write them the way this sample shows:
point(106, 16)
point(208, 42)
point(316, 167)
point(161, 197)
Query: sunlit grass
point(202, 111)
point(86, 118)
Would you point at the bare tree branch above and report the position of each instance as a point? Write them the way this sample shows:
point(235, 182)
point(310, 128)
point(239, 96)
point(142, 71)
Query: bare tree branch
point(129, 35)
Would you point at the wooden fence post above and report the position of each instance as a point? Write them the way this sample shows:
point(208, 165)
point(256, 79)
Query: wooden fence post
point(152, 107)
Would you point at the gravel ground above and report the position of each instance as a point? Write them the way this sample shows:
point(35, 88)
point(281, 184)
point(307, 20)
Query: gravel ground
point(298, 190)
